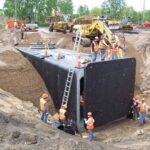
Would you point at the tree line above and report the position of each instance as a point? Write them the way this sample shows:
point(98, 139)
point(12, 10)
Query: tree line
point(38, 9)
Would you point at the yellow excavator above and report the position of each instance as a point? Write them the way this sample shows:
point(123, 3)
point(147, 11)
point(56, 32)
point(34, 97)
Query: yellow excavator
point(96, 28)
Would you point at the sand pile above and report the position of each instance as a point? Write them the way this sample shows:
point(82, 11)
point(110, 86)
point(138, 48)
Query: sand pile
point(18, 76)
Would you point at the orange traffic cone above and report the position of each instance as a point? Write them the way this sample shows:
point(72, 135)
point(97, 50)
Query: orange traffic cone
point(78, 61)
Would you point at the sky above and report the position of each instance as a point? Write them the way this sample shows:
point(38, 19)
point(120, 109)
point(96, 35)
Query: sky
point(136, 4)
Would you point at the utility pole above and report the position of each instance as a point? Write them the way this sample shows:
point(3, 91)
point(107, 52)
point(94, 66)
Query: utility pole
point(15, 10)
point(143, 9)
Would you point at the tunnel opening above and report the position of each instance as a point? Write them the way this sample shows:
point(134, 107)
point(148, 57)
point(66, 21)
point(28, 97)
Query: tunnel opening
point(82, 99)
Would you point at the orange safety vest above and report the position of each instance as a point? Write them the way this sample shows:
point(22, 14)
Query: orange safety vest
point(143, 107)
point(96, 47)
point(62, 114)
point(90, 125)
point(114, 51)
point(43, 103)
point(102, 45)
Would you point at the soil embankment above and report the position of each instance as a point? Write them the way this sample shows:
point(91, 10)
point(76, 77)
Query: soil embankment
point(20, 127)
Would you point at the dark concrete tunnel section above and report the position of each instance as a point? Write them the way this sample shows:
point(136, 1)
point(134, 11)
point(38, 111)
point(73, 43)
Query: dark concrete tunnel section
point(108, 86)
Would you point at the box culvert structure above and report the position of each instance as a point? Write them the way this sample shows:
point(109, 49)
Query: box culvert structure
point(108, 86)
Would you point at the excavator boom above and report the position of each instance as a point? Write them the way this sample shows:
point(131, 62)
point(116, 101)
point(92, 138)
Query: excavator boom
point(97, 28)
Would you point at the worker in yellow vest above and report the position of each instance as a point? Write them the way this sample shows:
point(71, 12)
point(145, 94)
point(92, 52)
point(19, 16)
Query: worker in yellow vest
point(44, 107)
point(90, 125)
point(62, 114)
point(143, 111)
point(95, 48)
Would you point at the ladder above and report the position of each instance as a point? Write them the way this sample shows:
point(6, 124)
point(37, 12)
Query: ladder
point(77, 40)
point(67, 87)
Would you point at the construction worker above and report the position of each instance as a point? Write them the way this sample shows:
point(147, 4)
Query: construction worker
point(44, 107)
point(22, 29)
point(62, 114)
point(102, 47)
point(114, 52)
point(143, 111)
point(135, 107)
point(81, 106)
point(90, 125)
point(95, 48)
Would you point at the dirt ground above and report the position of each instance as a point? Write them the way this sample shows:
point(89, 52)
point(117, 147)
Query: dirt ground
point(18, 77)
point(21, 129)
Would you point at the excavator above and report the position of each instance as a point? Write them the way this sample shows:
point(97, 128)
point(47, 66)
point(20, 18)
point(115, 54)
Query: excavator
point(96, 28)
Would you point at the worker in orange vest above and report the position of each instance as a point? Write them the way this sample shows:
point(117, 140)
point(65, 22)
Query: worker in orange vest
point(114, 51)
point(102, 47)
point(143, 111)
point(44, 107)
point(62, 114)
point(90, 125)
point(95, 48)
point(22, 30)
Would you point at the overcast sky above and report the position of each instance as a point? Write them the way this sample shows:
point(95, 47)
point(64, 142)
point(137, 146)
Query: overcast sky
point(137, 4)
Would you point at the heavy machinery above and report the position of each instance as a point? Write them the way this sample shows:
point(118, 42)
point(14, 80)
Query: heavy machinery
point(96, 28)
point(58, 22)
point(146, 24)
point(125, 24)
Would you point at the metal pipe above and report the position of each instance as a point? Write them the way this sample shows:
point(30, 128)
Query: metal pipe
point(15, 10)
point(143, 9)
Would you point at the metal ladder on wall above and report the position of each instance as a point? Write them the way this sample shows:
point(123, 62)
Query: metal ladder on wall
point(67, 87)
point(71, 71)
point(77, 40)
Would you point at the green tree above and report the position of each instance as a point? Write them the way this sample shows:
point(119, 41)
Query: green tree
point(65, 6)
point(113, 8)
point(9, 8)
point(96, 11)
point(83, 10)
point(147, 15)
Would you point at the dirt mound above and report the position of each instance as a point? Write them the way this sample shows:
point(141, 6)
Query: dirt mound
point(139, 47)
point(21, 128)
point(19, 77)
point(30, 37)
point(144, 50)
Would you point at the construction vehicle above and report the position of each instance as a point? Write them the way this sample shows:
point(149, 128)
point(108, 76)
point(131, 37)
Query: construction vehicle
point(146, 24)
point(124, 24)
point(26, 21)
point(97, 28)
point(58, 22)
point(10, 24)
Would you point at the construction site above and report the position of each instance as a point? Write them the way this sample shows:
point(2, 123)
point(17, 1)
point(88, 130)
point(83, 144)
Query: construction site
point(61, 61)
